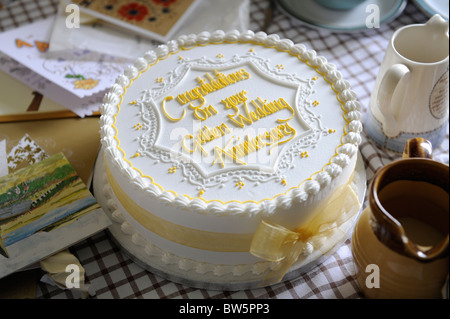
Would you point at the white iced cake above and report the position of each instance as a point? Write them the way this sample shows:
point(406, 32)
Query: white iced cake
point(209, 136)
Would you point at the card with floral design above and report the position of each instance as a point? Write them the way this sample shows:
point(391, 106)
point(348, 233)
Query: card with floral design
point(157, 19)
point(26, 152)
point(28, 96)
point(80, 72)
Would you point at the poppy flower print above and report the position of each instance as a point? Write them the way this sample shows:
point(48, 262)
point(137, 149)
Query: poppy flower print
point(156, 19)
point(133, 11)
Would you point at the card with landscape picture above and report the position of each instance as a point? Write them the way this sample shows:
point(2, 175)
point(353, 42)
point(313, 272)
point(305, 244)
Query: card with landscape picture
point(44, 208)
point(156, 19)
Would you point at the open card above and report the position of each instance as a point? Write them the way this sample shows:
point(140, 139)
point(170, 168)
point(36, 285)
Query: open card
point(28, 96)
point(156, 19)
point(82, 73)
point(44, 208)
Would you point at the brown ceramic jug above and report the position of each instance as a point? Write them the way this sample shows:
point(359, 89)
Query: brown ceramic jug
point(400, 242)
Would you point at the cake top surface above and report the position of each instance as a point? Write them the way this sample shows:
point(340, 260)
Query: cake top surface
point(231, 120)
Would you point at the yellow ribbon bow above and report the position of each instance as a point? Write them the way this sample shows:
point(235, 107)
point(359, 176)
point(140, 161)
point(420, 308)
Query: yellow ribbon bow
point(276, 243)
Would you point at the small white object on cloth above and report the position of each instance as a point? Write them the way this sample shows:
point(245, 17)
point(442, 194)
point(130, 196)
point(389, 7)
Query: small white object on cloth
point(65, 272)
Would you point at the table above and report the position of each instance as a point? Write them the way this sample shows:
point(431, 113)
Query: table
point(358, 56)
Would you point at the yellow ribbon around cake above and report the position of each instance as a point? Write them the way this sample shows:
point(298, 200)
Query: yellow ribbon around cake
point(278, 244)
point(270, 242)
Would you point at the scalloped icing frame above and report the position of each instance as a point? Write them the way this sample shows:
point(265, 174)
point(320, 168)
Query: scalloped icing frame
point(192, 171)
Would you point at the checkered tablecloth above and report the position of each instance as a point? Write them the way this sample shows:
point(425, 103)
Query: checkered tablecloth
point(358, 56)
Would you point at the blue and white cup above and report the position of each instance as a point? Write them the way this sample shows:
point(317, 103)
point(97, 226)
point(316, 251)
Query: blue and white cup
point(411, 93)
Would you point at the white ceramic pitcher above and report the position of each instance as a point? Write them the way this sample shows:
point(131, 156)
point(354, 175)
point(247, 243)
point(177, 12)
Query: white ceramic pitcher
point(411, 94)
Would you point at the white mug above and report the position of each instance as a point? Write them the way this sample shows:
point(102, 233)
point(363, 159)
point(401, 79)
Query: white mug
point(411, 94)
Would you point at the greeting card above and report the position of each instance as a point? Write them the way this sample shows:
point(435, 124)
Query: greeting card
point(28, 96)
point(80, 72)
point(157, 19)
point(44, 208)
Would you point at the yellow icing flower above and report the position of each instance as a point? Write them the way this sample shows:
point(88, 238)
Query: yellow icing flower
point(172, 170)
point(85, 84)
point(240, 184)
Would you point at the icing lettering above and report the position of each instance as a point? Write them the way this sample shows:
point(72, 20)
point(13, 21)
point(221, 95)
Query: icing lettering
point(195, 146)
point(261, 109)
point(234, 100)
point(163, 107)
point(197, 94)
point(243, 111)
point(211, 84)
point(205, 135)
point(203, 113)
point(272, 138)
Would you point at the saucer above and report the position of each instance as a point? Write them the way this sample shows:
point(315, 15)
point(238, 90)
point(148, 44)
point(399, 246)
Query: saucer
point(314, 15)
point(431, 7)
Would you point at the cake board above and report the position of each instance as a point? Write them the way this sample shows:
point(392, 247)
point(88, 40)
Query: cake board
point(209, 280)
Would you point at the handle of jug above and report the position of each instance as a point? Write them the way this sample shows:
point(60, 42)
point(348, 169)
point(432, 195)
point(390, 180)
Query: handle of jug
point(391, 79)
point(418, 147)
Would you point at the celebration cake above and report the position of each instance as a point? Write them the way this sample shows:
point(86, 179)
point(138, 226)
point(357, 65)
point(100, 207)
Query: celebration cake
point(227, 159)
